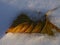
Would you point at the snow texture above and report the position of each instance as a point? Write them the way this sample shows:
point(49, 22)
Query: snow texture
point(29, 39)
point(8, 12)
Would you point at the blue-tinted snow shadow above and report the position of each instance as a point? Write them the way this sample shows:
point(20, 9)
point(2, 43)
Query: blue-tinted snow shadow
point(7, 15)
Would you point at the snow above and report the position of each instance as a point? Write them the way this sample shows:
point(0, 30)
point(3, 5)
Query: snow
point(9, 10)
point(29, 39)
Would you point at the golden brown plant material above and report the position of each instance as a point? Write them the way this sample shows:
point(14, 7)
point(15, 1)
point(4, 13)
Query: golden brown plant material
point(48, 28)
point(37, 27)
point(25, 25)
point(30, 28)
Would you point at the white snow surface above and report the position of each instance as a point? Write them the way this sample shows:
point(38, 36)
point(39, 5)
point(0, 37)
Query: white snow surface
point(30, 39)
point(38, 5)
